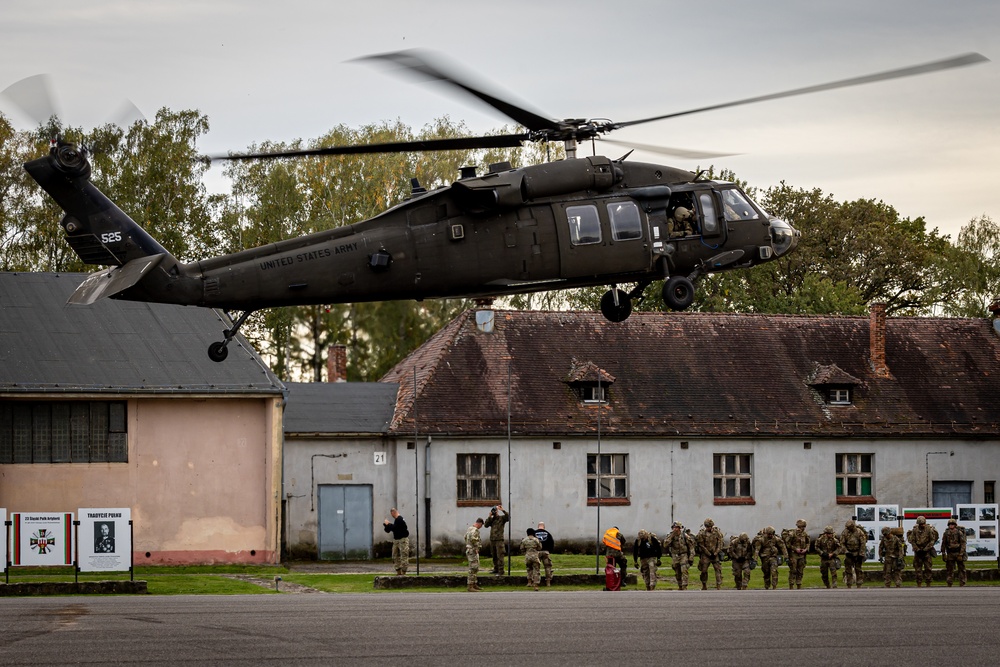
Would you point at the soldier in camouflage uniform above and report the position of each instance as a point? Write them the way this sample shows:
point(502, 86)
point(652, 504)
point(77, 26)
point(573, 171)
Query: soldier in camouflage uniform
point(953, 551)
point(922, 538)
point(891, 550)
point(680, 546)
point(740, 553)
point(798, 546)
point(828, 546)
point(473, 543)
point(854, 542)
point(767, 548)
point(646, 552)
point(709, 543)
point(530, 546)
point(495, 522)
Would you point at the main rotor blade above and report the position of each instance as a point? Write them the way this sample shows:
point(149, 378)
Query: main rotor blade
point(418, 62)
point(665, 150)
point(33, 96)
point(948, 63)
point(459, 143)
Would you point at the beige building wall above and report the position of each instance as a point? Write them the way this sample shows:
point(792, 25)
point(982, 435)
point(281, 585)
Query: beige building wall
point(202, 479)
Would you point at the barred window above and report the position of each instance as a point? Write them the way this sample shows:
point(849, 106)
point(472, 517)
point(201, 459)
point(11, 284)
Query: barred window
point(478, 479)
point(63, 432)
point(611, 477)
point(854, 475)
point(732, 475)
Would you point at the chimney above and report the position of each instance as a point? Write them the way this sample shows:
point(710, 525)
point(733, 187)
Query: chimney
point(336, 363)
point(876, 329)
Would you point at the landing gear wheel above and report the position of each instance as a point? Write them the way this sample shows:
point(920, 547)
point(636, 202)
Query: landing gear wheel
point(678, 292)
point(616, 312)
point(218, 352)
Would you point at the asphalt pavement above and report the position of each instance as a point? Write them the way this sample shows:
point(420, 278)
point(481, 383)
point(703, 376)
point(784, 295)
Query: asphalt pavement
point(869, 626)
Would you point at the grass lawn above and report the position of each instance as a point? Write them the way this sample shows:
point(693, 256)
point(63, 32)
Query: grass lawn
point(239, 580)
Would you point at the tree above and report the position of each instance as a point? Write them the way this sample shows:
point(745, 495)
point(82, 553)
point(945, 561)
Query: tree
point(976, 263)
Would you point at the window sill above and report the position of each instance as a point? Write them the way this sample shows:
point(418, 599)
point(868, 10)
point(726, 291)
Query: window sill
point(734, 501)
point(609, 502)
point(476, 503)
point(856, 500)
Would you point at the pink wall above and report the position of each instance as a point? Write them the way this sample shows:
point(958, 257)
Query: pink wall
point(202, 480)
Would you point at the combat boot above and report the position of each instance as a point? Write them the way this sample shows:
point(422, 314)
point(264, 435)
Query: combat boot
point(548, 581)
point(704, 586)
point(473, 588)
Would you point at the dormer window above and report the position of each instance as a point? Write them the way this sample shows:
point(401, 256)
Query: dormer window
point(590, 382)
point(594, 393)
point(840, 396)
point(834, 386)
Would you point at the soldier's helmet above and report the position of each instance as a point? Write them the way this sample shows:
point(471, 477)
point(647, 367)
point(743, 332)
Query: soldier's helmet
point(675, 524)
point(801, 523)
point(744, 536)
point(709, 523)
point(885, 530)
point(921, 520)
point(682, 214)
point(769, 530)
point(828, 529)
point(952, 522)
point(849, 524)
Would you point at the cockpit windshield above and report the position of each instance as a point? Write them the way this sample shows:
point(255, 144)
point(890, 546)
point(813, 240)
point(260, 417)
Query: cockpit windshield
point(738, 207)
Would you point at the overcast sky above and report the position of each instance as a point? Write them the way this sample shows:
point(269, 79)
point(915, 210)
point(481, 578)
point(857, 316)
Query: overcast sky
point(267, 70)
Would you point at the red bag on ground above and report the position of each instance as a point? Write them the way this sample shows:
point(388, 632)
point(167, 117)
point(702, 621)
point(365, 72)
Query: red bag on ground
point(612, 576)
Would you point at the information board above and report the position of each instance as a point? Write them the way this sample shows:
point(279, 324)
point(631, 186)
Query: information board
point(105, 539)
point(42, 538)
point(980, 524)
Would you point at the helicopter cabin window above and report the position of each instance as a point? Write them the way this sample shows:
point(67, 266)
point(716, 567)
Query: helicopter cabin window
point(736, 207)
point(584, 225)
point(709, 221)
point(625, 222)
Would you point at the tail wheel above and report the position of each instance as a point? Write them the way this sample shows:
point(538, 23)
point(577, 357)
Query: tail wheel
point(217, 352)
point(678, 292)
point(616, 312)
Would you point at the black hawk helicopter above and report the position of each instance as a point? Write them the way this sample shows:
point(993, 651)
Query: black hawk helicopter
point(582, 221)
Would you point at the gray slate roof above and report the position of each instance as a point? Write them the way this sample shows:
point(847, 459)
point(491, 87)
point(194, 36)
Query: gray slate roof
point(114, 346)
point(339, 407)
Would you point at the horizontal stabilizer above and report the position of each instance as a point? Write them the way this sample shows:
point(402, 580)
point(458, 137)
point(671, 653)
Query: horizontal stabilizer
point(111, 281)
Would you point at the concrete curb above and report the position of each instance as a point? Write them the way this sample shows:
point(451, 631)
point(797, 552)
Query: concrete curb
point(74, 588)
point(487, 581)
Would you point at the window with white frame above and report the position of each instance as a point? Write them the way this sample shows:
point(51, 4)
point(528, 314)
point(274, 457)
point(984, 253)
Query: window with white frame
point(732, 475)
point(854, 475)
point(609, 473)
point(478, 478)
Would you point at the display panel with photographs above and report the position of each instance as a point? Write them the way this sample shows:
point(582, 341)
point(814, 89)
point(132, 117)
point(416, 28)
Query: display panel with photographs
point(980, 524)
point(105, 539)
point(871, 519)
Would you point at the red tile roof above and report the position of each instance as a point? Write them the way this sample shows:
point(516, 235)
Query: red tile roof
point(701, 374)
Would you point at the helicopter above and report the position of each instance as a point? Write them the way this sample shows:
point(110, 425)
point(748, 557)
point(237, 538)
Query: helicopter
point(577, 222)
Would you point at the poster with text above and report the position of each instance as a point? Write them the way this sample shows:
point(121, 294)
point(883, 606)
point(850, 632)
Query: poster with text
point(105, 539)
point(42, 538)
point(980, 524)
point(871, 519)
point(936, 516)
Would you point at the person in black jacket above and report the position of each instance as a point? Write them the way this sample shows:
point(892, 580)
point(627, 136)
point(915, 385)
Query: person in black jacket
point(646, 552)
point(548, 546)
point(400, 541)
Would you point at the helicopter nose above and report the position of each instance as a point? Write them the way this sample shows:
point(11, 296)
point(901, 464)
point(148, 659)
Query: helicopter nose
point(784, 237)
